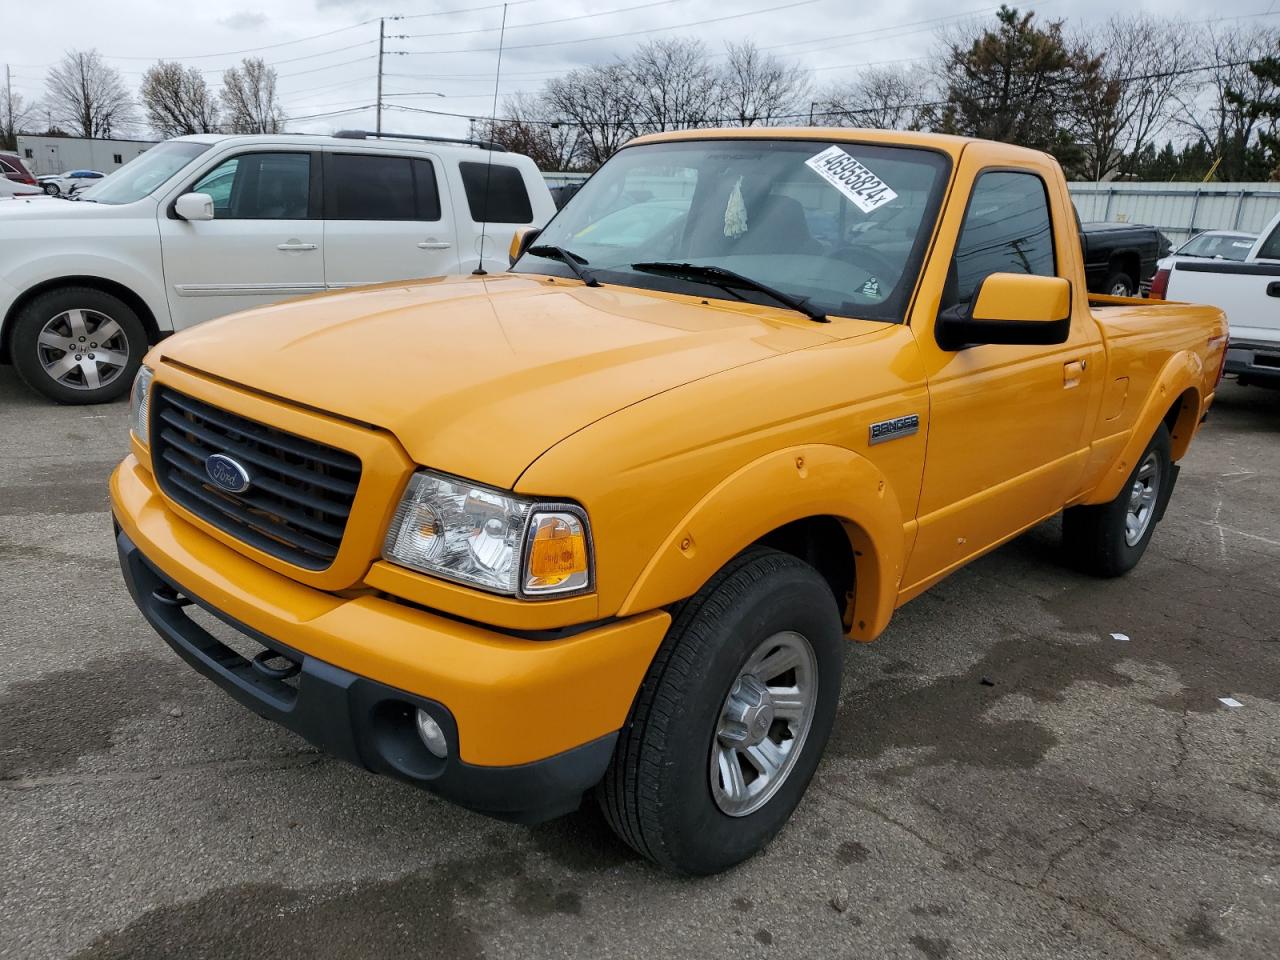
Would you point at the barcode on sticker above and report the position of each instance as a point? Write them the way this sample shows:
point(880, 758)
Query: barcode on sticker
point(848, 175)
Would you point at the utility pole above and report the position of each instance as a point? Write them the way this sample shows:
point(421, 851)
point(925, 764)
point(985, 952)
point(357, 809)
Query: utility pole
point(382, 34)
point(8, 108)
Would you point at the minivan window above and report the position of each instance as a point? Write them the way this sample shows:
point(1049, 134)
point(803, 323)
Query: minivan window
point(146, 174)
point(508, 198)
point(361, 186)
point(259, 186)
point(1006, 230)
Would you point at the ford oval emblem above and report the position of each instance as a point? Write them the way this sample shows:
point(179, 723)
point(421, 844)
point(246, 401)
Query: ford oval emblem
point(227, 473)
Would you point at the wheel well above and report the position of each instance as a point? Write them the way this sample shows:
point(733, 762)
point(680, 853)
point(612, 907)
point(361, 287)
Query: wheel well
point(1181, 420)
point(823, 543)
point(135, 302)
point(1128, 262)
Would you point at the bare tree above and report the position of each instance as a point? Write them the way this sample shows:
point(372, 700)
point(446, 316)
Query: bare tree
point(672, 85)
point(596, 100)
point(249, 98)
point(888, 98)
point(759, 88)
point(1146, 66)
point(529, 127)
point(88, 96)
point(1220, 111)
point(15, 115)
point(178, 101)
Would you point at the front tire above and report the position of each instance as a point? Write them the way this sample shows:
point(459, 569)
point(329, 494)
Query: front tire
point(731, 721)
point(51, 189)
point(1109, 539)
point(78, 345)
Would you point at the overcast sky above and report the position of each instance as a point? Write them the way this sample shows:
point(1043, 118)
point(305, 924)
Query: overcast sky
point(452, 50)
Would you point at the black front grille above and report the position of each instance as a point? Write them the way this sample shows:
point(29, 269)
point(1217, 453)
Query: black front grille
point(300, 491)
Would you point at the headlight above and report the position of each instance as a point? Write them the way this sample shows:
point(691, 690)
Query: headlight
point(140, 405)
point(490, 539)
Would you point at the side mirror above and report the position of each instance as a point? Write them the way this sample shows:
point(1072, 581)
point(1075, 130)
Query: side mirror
point(1008, 308)
point(194, 206)
point(521, 240)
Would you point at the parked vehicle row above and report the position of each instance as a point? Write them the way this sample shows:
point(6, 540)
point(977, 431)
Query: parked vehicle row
point(203, 226)
point(1247, 288)
point(1119, 258)
point(602, 524)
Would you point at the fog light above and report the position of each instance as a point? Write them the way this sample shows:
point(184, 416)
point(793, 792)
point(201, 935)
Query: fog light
point(432, 735)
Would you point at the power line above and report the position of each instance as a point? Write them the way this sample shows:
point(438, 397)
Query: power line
point(614, 36)
point(236, 53)
point(543, 23)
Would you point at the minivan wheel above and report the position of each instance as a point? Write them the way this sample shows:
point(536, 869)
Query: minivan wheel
point(1109, 539)
point(78, 345)
point(731, 721)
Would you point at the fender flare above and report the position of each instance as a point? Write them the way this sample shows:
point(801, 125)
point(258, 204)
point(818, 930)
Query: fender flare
point(795, 483)
point(1182, 372)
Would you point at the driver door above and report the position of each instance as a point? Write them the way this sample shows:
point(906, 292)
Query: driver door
point(264, 244)
point(1009, 424)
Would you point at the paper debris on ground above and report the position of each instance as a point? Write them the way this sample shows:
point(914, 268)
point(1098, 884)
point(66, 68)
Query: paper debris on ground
point(1230, 702)
point(1119, 636)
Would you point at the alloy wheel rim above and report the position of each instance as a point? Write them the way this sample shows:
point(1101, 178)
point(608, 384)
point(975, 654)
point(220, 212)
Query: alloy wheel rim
point(763, 723)
point(1142, 500)
point(83, 349)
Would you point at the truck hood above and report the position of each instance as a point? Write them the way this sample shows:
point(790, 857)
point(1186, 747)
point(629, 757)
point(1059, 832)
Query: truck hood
point(479, 376)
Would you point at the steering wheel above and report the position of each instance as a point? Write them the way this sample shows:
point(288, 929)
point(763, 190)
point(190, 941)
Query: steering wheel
point(869, 258)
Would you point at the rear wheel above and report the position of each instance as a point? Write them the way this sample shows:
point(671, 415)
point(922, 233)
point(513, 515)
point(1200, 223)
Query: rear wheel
point(1120, 284)
point(1109, 539)
point(730, 723)
point(78, 345)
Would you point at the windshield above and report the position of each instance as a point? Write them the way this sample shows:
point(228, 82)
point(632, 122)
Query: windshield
point(144, 175)
point(1232, 246)
point(841, 227)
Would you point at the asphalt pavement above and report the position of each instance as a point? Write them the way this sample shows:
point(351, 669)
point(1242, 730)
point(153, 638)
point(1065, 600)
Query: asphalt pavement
point(1006, 778)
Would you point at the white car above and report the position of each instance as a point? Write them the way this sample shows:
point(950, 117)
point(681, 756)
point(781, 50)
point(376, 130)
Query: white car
point(12, 188)
point(202, 226)
point(72, 181)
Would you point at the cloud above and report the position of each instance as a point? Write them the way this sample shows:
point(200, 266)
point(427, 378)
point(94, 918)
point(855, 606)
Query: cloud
point(244, 20)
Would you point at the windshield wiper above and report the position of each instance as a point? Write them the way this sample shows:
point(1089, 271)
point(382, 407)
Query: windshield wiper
point(568, 258)
point(724, 277)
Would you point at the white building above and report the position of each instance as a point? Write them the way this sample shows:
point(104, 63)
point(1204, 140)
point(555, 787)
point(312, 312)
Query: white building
point(46, 155)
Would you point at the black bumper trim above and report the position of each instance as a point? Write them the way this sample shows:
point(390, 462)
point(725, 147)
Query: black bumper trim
point(357, 719)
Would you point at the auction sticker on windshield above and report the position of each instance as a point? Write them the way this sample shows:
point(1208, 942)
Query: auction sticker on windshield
point(848, 175)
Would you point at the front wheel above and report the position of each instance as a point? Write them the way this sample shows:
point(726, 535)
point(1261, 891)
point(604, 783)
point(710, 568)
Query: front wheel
point(78, 345)
point(1109, 539)
point(51, 189)
point(732, 719)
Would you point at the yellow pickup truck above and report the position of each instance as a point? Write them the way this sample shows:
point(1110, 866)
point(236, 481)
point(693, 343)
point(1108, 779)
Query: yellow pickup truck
point(603, 523)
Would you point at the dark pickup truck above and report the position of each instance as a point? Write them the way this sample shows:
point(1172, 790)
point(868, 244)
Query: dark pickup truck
point(1120, 257)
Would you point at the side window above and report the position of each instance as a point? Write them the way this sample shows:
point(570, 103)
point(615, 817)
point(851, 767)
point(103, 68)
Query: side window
point(1270, 249)
point(1006, 230)
point(508, 199)
point(368, 187)
point(259, 186)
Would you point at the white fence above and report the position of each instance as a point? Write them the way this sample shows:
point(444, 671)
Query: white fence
point(1180, 210)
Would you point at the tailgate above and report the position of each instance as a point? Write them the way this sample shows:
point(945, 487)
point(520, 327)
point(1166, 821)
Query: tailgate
point(1249, 294)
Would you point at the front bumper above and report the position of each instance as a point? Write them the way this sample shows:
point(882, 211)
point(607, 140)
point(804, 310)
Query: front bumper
point(531, 724)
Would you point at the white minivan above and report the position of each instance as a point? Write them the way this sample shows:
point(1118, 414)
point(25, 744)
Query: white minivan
point(202, 226)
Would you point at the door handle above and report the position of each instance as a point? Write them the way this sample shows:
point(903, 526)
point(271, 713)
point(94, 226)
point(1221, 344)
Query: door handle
point(434, 245)
point(1073, 371)
point(291, 245)
point(1273, 288)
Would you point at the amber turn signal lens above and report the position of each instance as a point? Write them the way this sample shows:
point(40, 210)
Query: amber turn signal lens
point(557, 558)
